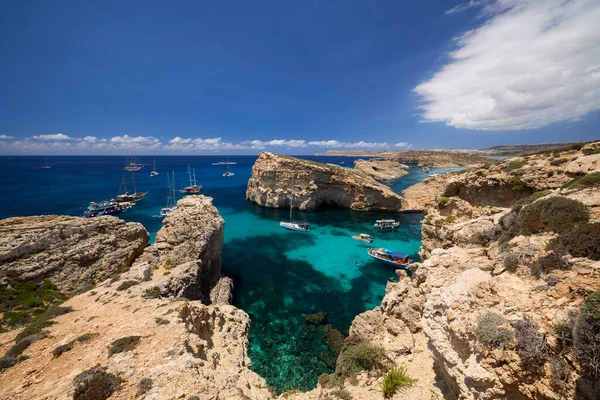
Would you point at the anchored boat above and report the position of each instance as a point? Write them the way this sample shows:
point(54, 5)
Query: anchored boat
point(154, 172)
point(388, 256)
point(193, 188)
point(291, 224)
point(103, 208)
point(132, 164)
point(171, 200)
point(386, 224)
point(363, 237)
point(125, 196)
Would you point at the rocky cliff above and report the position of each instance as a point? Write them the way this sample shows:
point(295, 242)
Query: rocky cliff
point(316, 185)
point(73, 253)
point(161, 330)
point(381, 169)
point(505, 303)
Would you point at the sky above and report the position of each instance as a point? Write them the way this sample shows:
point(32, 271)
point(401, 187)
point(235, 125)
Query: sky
point(295, 77)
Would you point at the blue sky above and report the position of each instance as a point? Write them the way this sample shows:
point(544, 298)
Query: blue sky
point(298, 77)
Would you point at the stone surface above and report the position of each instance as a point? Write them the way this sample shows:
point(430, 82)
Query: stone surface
point(74, 253)
point(316, 185)
point(381, 169)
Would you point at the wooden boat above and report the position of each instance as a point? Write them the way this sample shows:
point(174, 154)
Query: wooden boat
point(363, 237)
point(291, 224)
point(386, 224)
point(193, 188)
point(132, 164)
point(125, 196)
point(390, 257)
point(103, 208)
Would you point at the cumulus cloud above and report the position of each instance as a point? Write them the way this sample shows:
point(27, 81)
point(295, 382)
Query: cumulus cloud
point(402, 145)
point(90, 139)
point(531, 63)
point(126, 139)
point(345, 145)
point(5, 137)
point(55, 136)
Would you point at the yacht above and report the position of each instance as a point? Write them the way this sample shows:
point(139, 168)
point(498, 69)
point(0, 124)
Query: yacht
point(171, 200)
point(193, 188)
point(125, 196)
point(291, 224)
point(363, 237)
point(154, 172)
point(390, 257)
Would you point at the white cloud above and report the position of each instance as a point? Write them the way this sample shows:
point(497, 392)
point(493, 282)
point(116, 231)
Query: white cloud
point(56, 136)
point(5, 137)
point(465, 6)
point(127, 140)
point(531, 63)
point(402, 145)
point(90, 139)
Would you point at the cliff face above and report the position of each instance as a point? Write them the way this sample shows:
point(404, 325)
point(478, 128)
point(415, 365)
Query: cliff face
point(73, 253)
point(316, 185)
point(147, 328)
point(381, 169)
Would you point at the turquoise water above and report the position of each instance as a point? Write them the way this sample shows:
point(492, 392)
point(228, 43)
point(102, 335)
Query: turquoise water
point(279, 275)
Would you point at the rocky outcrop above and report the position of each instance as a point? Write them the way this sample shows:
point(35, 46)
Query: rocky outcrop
point(74, 253)
point(187, 341)
point(316, 185)
point(381, 169)
point(422, 158)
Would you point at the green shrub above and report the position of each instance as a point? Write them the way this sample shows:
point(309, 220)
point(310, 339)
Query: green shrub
point(42, 321)
point(342, 394)
point(394, 380)
point(516, 184)
point(362, 356)
point(153, 293)
point(490, 333)
point(127, 284)
point(511, 261)
point(144, 387)
point(161, 321)
point(513, 165)
point(546, 264)
point(443, 202)
point(564, 331)
point(560, 373)
point(450, 219)
point(589, 180)
point(193, 398)
point(531, 344)
point(579, 241)
point(539, 195)
point(57, 352)
point(552, 214)
point(550, 174)
point(87, 337)
point(586, 337)
point(123, 344)
point(95, 384)
point(588, 152)
point(558, 161)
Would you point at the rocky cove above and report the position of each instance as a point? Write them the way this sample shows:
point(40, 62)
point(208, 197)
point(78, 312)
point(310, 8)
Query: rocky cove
point(171, 306)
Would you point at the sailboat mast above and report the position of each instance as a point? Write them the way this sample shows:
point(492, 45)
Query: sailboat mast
point(133, 177)
point(292, 199)
point(194, 169)
point(190, 174)
point(173, 188)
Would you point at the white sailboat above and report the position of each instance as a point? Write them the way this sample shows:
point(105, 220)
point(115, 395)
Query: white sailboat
point(291, 224)
point(171, 200)
point(154, 172)
point(228, 172)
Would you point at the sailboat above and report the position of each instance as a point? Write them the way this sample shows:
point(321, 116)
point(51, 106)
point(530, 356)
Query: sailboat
point(132, 164)
point(228, 173)
point(153, 172)
point(291, 224)
point(171, 200)
point(46, 165)
point(193, 188)
point(127, 197)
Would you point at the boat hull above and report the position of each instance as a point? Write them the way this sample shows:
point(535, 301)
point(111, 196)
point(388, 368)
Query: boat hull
point(293, 227)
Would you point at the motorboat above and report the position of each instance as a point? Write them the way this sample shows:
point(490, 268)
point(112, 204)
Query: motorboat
point(363, 237)
point(386, 224)
point(390, 257)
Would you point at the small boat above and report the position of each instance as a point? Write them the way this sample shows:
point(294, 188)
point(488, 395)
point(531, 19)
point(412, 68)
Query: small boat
point(388, 256)
point(386, 224)
point(171, 200)
point(46, 165)
point(228, 172)
point(125, 196)
point(363, 237)
point(193, 188)
point(132, 164)
point(154, 172)
point(433, 175)
point(291, 224)
point(103, 208)
point(224, 163)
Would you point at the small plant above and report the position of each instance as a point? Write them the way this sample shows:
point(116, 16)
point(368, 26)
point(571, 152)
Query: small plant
point(86, 337)
point(144, 387)
point(564, 331)
point(511, 261)
point(123, 344)
point(95, 384)
point(152, 293)
point(560, 373)
point(394, 380)
point(516, 184)
point(580, 241)
point(490, 333)
point(362, 356)
point(531, 344)
point(558, 161)
point(588, 152)
point(548, 263)
point(513, 165)
point(162, 321)
point(442, 202)
point(127, 284)
point(589, 180)
point(555, 214)
point(342, 394)
point(539, 195)
point(42, 321)
point(450, 219)
point(57, 352)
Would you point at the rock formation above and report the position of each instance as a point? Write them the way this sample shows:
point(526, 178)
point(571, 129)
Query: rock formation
point(163, 327)
point(316, 185)
point(422, 158)
point(381, 169)
point(74, 253)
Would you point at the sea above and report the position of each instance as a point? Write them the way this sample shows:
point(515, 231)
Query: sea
point(280, 276)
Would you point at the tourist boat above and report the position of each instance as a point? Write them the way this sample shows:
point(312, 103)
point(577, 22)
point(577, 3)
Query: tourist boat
point(363, 237)
point(132, 164)
point(386, 224)
point(125, 196)
point(388, 256)
point(103, 208)
point(291, 224)
point(154, 172)
point(193, 188)
point(171, 200)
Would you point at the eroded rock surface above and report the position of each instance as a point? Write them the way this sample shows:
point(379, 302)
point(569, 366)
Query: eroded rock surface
point(316, 185)
point(381, 169)
point(74, 253)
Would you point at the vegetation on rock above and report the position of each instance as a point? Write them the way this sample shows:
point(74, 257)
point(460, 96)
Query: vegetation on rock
point(123, 344)
point(42, 321)
point(531, 344)
point(490, 333)
point(95, 384)
point(586, 342)
point(442, 202)
point(579, 241)
point(127, 284)
point(589, 180)
point(63, 348)
point(396, 379)
point(144, 387)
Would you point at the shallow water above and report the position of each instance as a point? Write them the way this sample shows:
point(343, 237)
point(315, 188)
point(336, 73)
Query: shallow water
point(279, 275)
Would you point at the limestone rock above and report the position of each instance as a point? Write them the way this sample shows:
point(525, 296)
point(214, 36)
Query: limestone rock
point(316, 185)
point(381, 169)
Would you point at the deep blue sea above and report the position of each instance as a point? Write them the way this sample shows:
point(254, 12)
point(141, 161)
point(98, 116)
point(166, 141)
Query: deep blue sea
point(280, 276)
